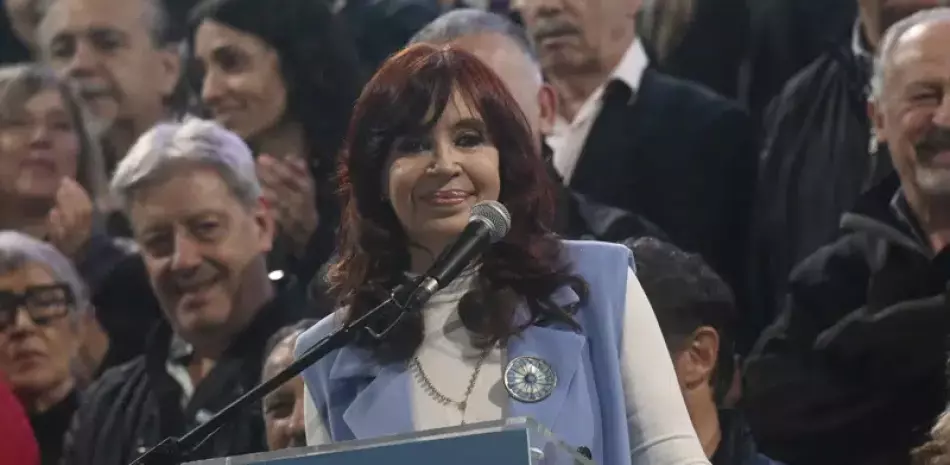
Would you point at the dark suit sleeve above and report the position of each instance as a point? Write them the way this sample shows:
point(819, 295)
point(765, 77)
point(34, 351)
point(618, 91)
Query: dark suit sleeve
point(728, 161)
point(79, 440)
point(814, 396)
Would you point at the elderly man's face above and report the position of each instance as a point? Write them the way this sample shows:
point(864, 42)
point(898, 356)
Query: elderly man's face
point(38, 339)
point(105, 48)
point(201, 247)
point(913, 112)
point(578, 35)
point(519, 73)
point(283, 408)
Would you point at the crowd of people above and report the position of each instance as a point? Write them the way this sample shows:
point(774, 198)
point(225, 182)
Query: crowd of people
point(730, 237)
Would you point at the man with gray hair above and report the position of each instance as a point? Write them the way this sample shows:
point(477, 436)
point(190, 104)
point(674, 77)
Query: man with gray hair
point(820, 154)
point(196, 210)
point(118, 55)
point(853, 371)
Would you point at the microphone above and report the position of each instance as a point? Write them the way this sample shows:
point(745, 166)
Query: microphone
point(488, 223)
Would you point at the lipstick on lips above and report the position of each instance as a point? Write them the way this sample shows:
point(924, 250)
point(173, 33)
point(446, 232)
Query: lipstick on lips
point(447, 197)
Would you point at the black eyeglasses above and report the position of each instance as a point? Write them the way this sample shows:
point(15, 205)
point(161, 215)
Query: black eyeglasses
point(43, 304)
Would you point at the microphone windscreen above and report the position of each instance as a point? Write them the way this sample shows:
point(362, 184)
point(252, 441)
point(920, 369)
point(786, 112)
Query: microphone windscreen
point(495, 215)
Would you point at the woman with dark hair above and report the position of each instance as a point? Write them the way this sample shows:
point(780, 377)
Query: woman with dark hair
point(283, 76)
point(537, 327)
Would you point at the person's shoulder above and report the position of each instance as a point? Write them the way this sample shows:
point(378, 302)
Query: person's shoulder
point(684, 93)
point(826, 72)
point(106, 390)
point(116, 378)
point(597, 251)
point(603, 266)
point(326, 326)
point(839, 269)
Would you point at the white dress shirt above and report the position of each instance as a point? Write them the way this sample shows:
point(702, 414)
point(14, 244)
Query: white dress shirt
point(568, 137)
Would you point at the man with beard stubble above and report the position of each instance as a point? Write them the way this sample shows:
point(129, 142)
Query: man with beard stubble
point(819, 156)
point(197, 212)
point(853, 371)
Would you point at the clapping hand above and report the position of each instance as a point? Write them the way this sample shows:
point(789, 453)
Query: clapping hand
point(70, 220)
point(290, 190)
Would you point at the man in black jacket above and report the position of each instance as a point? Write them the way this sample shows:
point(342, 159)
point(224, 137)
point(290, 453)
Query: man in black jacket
point(819, 155)
point(630, 137)
point(196, 209)
point(853, 370)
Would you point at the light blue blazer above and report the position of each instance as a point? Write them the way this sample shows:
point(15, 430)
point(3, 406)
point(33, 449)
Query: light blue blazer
point(358, 398)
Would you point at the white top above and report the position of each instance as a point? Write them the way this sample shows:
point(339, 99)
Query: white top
point(567, 137)
point(660, 429)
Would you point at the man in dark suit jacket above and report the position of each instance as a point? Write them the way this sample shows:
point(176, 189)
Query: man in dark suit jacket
point(634, 138)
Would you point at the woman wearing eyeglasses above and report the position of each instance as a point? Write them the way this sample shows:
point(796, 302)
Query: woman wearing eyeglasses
point(44, 309)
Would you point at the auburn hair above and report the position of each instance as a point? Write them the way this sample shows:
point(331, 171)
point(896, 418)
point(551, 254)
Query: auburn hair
point(408, 95)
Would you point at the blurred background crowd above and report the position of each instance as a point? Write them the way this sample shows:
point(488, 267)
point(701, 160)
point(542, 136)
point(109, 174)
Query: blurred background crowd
point(780, 168)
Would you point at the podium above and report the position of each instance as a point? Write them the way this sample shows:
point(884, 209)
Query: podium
point(514, 441)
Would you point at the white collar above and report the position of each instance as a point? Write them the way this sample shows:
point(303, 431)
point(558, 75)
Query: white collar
point(631, 67)
point(629, 71)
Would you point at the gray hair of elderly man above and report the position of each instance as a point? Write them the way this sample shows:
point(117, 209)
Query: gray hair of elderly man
point(169, 148)
point(892, 39)
point(18, 250)
point(465, 22)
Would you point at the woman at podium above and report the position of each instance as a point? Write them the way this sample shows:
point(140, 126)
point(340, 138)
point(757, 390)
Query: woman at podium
point(537, 327)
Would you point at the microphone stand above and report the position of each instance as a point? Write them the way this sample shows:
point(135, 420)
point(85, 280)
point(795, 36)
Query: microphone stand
point(175, 451)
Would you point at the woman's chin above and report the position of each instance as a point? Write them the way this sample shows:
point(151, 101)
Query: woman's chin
point(33, 379)
point(442, 228)
point(38, 192)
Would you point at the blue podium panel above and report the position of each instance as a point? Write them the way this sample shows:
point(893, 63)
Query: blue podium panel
point(497, 448)
point(515, 441)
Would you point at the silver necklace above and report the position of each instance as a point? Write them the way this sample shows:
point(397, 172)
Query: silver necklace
point(434, 393)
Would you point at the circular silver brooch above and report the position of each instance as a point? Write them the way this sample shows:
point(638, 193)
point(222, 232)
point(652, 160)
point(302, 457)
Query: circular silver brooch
point(530, 379)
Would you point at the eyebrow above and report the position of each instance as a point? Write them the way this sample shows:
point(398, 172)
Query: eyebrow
point(219, 50)
point(93, 32)
point(470, 123)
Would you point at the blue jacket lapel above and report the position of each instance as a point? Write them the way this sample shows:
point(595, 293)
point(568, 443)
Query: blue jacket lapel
point(563, 349)
point(383, 407)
